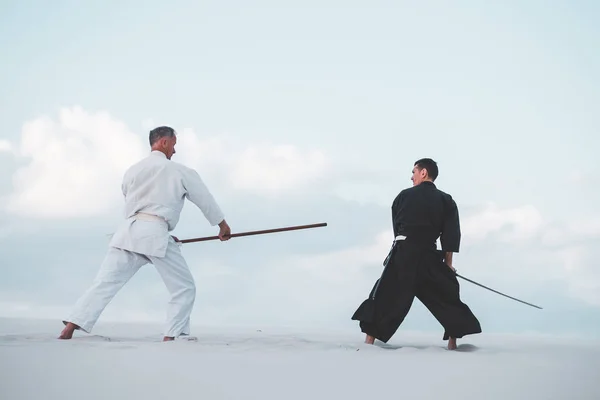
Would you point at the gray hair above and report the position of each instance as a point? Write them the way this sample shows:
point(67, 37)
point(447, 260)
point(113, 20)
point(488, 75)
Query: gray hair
point(160, 132)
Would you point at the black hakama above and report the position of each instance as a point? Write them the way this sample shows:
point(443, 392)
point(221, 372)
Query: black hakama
point(416, 268)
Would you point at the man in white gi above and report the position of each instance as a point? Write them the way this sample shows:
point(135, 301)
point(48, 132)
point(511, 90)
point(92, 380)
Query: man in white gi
point(155, 190)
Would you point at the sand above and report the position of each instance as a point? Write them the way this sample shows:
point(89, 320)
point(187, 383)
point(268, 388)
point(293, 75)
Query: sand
point(128, 361)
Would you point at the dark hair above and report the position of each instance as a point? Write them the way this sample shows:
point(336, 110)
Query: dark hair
point(160, 132)
point(429, 165)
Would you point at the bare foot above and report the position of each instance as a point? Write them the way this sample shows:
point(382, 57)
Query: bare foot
point(67, 333)
point(369, 339)
point(452, 344)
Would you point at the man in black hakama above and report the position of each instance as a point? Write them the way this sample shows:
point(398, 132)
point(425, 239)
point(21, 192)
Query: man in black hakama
point(415, 267)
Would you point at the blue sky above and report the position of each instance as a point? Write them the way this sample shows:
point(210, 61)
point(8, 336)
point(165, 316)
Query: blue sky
point(301, 113)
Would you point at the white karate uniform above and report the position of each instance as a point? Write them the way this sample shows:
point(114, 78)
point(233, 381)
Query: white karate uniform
point(155, 190)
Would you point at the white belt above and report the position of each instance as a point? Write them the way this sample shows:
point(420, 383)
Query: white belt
point(399, 237)
point(148, 217)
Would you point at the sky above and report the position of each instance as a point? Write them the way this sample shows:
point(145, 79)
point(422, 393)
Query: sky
point(297, 113)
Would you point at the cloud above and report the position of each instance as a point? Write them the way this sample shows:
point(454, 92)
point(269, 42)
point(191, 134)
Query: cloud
point(341, 266)
point(73, 165)
point(266, 169)
point(274, 169)
point(508, 224)
point(575, 244)
point(583, 278)
point(584, 177)
point(5, 146)
point(536, 249)
point(590, 226)
point(571, 232)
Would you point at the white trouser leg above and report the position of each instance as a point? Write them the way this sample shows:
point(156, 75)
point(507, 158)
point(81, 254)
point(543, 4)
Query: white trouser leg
point(178, 279)
point(116, 269)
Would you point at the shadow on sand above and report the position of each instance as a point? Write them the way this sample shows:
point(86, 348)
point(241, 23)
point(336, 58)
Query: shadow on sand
point(463, 348)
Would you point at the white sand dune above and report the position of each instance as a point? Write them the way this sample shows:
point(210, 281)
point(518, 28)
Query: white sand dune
point(120, 361)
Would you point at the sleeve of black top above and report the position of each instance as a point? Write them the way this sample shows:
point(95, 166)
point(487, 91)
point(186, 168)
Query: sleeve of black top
point(396, 204)
point(450, 237)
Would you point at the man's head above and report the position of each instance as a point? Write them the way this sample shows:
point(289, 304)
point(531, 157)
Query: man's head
point(163, 139)
point(424, 169)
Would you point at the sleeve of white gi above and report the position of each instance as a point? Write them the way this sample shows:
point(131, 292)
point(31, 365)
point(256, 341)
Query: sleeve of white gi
point(198, 193)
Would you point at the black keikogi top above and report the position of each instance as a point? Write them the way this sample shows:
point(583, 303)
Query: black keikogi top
point(423, 213)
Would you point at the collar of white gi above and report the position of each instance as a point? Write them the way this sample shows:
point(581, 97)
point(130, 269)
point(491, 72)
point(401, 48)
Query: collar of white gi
point(158, 153)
